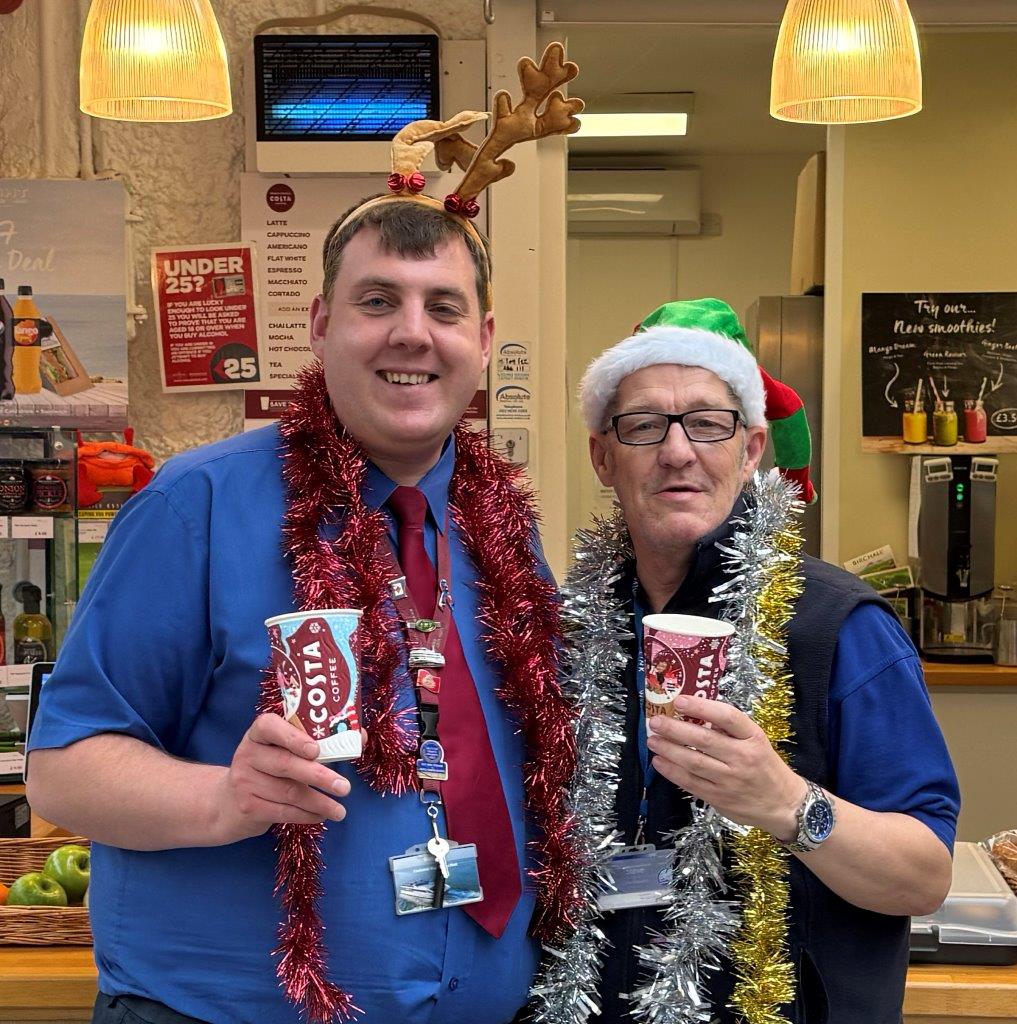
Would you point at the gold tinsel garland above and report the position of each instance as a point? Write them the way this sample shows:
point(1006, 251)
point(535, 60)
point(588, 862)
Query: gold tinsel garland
point(759, 952)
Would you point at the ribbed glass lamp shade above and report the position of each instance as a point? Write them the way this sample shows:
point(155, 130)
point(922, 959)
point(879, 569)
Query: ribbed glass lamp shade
point(154, 60)
point(846, 62)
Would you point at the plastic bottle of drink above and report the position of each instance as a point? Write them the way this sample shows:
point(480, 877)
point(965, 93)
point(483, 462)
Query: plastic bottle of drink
point(6, 345)
point(29, 330)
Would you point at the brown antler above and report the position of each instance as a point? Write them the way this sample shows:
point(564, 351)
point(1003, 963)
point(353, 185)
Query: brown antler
point(415, 140)
point(454, 151)
point(522, 122)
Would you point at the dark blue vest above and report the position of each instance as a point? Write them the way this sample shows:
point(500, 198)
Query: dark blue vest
point(850, 963)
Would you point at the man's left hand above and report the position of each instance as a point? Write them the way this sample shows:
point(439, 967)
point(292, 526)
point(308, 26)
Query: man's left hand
point(731, 765)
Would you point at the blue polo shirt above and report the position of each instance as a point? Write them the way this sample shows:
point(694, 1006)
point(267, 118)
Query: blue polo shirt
point(168, 645)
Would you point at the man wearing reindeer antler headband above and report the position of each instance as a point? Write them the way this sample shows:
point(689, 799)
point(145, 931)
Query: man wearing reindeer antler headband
point(234, 875)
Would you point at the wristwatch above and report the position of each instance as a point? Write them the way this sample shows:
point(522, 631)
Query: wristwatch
point(815, 818)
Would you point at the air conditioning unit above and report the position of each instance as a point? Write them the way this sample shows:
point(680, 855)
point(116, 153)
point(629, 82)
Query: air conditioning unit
point(634, 202)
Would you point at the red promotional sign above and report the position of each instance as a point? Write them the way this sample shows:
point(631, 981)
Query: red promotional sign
point(207, 317)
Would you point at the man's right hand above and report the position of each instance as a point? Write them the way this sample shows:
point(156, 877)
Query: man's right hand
point(274, 778)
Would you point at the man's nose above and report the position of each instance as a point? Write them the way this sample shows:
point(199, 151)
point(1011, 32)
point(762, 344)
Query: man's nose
point(676, 449)
point(411, 329)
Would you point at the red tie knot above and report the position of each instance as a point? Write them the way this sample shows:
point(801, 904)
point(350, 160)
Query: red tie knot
point(409, 506)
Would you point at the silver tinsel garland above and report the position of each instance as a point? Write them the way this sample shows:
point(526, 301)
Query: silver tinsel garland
point(699, 922)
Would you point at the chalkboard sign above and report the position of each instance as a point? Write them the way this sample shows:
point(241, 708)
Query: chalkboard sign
point(956, 340)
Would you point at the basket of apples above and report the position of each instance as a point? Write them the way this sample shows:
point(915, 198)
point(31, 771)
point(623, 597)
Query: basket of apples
point(44, 892)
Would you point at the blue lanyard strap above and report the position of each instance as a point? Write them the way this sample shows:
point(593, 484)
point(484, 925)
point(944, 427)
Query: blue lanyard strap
point(648, 771)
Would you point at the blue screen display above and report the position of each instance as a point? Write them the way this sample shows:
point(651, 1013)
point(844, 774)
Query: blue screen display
point(344, 88)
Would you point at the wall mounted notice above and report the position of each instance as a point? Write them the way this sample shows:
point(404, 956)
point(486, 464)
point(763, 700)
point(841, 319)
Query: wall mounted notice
point(207, 317)
point(961, 345)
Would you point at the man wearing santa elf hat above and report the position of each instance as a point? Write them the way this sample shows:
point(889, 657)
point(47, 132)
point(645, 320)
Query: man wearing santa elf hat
point(845, 830)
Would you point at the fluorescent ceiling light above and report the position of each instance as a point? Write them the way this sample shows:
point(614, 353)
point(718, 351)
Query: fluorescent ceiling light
point(615, 197)
point(631, 125)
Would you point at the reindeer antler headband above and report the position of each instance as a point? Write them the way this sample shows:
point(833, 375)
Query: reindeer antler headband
point(542, 111)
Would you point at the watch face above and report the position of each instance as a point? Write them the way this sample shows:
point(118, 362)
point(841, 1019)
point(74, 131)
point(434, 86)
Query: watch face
point(819, 820)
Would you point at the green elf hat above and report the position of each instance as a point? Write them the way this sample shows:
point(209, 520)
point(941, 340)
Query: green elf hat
point(706, 333)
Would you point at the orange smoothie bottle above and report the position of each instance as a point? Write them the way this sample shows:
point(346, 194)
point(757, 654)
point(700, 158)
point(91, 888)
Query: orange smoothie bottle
point(27, 343)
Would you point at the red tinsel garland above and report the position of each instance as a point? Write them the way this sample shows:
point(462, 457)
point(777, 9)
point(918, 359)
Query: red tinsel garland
point(324, 469)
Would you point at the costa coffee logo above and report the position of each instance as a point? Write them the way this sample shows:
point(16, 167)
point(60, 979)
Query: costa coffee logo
point(326, 676)
point(280, 198)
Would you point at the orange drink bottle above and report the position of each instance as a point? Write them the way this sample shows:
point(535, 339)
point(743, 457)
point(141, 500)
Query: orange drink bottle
point(28, 335)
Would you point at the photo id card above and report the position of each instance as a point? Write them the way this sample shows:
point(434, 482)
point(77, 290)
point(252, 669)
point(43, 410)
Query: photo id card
point(642, 878)
point(415, 871)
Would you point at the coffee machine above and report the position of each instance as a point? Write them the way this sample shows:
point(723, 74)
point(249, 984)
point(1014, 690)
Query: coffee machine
point(957, 548)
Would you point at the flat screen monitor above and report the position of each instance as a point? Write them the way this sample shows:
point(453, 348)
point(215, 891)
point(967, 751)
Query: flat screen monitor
point(343, 88)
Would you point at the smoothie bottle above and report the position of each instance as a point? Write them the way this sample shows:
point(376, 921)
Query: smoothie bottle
point(974, 421)
point(916, 424)
point(944, 425)
point(29, 330)
point(6, 345)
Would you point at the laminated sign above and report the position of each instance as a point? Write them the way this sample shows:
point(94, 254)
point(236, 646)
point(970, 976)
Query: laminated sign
point(207, 317)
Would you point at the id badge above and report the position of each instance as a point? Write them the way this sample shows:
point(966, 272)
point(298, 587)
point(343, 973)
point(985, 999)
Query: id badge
point(642, 878)
point(414, 872)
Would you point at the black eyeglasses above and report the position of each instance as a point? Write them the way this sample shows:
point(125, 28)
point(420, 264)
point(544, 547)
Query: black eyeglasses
point(702, 425)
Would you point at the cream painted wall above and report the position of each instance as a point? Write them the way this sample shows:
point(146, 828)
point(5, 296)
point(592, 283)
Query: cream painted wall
point(614, 282)
point(928, 205)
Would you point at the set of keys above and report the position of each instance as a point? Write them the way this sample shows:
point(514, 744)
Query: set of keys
point(438, 847)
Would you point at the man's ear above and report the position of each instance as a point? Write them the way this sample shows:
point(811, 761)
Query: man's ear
point(486, 336)
point(755, 445)
point(318, 324)
point(603, 462)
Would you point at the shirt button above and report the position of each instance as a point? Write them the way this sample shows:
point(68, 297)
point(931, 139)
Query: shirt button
point(453, 985)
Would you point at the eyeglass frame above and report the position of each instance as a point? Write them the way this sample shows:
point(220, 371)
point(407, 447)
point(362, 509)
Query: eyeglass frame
point(672, 419)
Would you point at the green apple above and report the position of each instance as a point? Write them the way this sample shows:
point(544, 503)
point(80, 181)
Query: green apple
point(69, 866)
point(36, 890)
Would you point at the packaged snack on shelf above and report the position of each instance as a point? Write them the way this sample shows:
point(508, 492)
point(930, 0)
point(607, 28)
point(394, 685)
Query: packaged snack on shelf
point(1002, 849)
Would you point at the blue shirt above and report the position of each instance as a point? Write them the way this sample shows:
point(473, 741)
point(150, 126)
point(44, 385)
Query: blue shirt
point(886, 751)
point(168, 645)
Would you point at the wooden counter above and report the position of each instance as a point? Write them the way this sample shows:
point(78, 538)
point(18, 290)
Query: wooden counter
point(51, 983)
point(57, 983)
point(959, 673)
point(974, 995)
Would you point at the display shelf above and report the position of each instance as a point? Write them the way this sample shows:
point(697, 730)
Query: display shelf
point(959, 673)
point(896, 445)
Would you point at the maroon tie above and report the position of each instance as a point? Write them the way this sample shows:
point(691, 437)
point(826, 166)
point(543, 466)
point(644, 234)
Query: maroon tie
point(475, 807)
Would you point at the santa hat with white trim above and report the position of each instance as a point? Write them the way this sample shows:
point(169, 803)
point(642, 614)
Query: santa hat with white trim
point(706, 333)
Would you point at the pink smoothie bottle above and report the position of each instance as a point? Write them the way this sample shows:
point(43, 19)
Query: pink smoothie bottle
point(974, 421)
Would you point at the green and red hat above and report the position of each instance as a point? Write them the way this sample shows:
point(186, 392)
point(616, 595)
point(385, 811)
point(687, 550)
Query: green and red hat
point(707, 333)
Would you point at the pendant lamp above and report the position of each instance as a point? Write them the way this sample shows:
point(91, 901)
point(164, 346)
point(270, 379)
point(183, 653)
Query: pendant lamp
point(154, 60)
point(846, 62)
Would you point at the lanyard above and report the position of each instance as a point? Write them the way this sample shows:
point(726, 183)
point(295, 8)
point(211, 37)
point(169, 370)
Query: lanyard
point(426, 638)
point(649, 773)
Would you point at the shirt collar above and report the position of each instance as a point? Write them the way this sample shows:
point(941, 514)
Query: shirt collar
point(434, 483)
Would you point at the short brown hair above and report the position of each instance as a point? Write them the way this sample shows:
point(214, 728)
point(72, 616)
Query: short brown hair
point(412, 230)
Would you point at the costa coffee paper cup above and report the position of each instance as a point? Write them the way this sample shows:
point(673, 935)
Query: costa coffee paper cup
point(683, 655)
point(316, 659)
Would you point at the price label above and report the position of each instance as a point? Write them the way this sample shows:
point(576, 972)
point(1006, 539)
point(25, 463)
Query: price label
point(5, 527)
point(92, 531)
point(16, 675)
point(31, 527)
